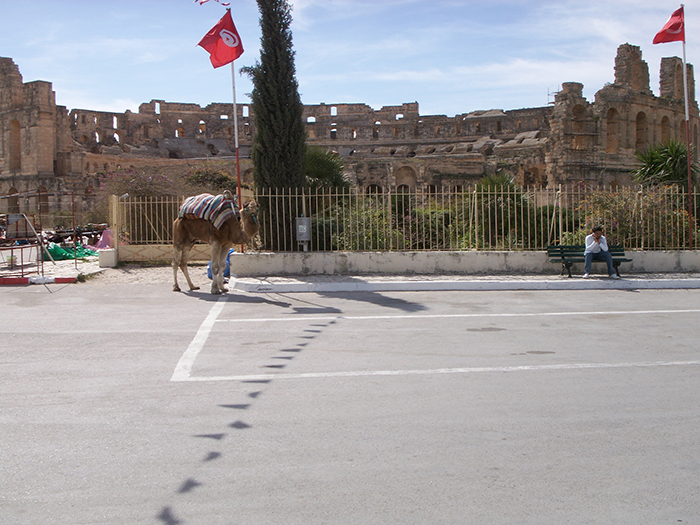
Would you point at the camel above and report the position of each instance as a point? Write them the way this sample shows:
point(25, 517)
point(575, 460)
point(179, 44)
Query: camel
point(233, 231)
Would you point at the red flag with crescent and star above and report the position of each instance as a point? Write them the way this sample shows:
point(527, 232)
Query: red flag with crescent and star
point(674, 30)
point(222, 42)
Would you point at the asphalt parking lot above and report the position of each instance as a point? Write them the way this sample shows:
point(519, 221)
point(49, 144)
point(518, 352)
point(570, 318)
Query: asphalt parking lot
point(134, 404)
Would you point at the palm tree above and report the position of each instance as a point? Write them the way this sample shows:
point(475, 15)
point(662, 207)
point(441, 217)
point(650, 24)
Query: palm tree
point(664, 164)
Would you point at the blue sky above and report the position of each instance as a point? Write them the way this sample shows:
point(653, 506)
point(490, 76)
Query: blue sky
point(450, 56)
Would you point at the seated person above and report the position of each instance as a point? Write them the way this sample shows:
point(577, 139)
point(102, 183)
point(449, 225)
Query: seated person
point(597, 248)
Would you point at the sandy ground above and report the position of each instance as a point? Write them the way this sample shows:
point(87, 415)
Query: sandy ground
point(89, 268)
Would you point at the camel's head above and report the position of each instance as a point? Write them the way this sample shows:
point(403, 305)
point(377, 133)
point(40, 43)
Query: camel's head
point(250, 209)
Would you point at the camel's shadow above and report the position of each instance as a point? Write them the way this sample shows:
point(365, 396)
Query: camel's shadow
point(232, 297)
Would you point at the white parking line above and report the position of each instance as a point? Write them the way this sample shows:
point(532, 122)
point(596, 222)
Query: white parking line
point(184, 366)
point(474, 370)
point(453, 316)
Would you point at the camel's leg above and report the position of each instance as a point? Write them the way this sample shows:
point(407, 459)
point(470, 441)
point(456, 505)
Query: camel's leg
point(216, 269)
point(223, 252)
point(183, 264)
point(176, 263)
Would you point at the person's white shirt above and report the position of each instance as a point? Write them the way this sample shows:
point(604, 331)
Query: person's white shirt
point(595, 247)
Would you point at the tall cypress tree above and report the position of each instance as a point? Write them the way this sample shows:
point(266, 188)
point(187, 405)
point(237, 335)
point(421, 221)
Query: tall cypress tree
point(280, 134)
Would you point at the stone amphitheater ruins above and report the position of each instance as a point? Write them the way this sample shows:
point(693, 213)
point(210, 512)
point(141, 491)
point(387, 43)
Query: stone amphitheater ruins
point(46, 149)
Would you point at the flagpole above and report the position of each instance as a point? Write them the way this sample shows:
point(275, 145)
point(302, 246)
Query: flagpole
point(688, 142)
point(235, 132)
point(235, 138)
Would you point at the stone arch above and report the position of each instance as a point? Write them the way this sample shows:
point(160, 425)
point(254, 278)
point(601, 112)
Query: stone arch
point(642, 132)
point(247, 176)
point(15, 146)
point(665, 129)
point(374, 189)
point(180, 133)
point(612, 137)
point(406, 176)
point(202, 127)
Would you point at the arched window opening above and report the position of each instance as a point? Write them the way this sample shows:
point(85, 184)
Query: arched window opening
point(641, 140)
point(202, 126)
point(406, 176)
point(665, 129)
point(179, 133)
point(374, 189)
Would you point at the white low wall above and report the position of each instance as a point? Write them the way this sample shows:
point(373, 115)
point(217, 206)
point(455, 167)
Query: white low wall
point(426, 263)
point(420, 263)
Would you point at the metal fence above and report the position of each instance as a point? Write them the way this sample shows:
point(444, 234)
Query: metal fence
point(477, 218)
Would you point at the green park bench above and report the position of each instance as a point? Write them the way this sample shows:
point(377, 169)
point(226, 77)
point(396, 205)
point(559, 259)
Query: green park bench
point(566, 255)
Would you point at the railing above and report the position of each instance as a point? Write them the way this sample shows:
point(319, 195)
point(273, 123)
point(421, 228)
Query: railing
point(477, 218)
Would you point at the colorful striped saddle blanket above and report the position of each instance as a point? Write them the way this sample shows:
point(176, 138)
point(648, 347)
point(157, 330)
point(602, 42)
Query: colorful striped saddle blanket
point(215, 208)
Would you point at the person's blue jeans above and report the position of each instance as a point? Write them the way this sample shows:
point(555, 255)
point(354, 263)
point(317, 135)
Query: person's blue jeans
point(600, 256)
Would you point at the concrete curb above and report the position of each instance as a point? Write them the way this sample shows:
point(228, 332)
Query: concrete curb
point(260, 286)
point(36, 279)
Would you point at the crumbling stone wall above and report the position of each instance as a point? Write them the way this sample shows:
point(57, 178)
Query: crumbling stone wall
point(572, 140)
point(595, 143)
